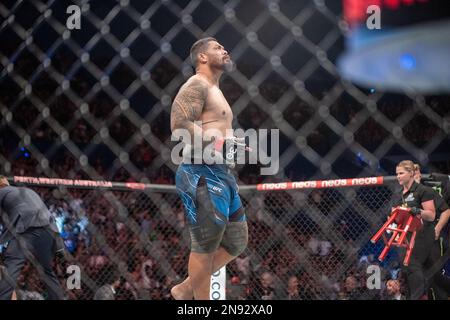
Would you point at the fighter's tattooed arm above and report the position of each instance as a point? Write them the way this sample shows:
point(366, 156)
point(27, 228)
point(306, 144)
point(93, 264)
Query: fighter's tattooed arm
point(188, 105)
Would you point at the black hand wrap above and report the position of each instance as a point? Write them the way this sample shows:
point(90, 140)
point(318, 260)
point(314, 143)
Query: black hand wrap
point(415, 211)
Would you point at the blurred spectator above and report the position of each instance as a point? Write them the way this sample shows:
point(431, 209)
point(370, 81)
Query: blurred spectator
point(25, 285)
point(393, 290)
point(243, 265)
point(112, 283)
point(264, 287)
point(293, 292)
point(352, 289)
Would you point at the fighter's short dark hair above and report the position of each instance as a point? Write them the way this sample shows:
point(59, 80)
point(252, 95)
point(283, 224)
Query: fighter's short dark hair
point(198, 47)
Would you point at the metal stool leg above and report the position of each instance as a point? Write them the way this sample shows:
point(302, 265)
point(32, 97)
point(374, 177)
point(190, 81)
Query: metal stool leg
point(387, 246)
point(380, 232)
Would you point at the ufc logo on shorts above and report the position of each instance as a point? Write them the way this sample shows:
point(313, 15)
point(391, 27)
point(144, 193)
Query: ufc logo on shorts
point(214, 188)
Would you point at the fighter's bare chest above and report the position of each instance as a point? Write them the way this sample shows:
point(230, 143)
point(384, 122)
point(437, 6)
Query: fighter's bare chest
point(218, 105)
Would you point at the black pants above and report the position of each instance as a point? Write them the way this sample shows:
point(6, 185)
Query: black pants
point(39, 246)
point(420, 261)
point(439, 284)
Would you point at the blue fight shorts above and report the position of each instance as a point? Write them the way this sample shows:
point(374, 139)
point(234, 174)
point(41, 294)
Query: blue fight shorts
point(212, 205)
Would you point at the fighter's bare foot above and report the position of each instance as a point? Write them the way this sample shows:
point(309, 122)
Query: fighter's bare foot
point(180, 292)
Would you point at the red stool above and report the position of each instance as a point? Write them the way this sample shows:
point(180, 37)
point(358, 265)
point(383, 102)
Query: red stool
point(405, 223)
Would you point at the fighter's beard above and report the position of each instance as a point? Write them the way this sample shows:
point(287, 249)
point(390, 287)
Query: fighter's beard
point(228, 66)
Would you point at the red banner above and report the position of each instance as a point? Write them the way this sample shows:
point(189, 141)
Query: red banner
point(314, 184)
point(62, 182)
point(355, 11)
point(318, 184)
point(135, 185)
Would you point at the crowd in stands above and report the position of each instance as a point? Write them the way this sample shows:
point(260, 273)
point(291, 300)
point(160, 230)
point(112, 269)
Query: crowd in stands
point(149, 240)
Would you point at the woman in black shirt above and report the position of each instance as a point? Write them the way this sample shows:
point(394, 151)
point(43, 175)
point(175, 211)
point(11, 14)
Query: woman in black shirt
point(419, 199)
point(439, 283)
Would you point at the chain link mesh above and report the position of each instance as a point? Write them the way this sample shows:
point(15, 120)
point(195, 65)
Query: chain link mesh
point(321, 237)
point(94, 104)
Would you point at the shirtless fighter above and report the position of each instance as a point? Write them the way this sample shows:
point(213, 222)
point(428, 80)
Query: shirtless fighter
point(213, 208)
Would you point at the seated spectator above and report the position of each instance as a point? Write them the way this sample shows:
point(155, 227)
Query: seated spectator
point(69, 237)
point(293, 292)
point(264, 288)
point(108, 290)
point(352, 290)
point(393, 290)
point(26, 290)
